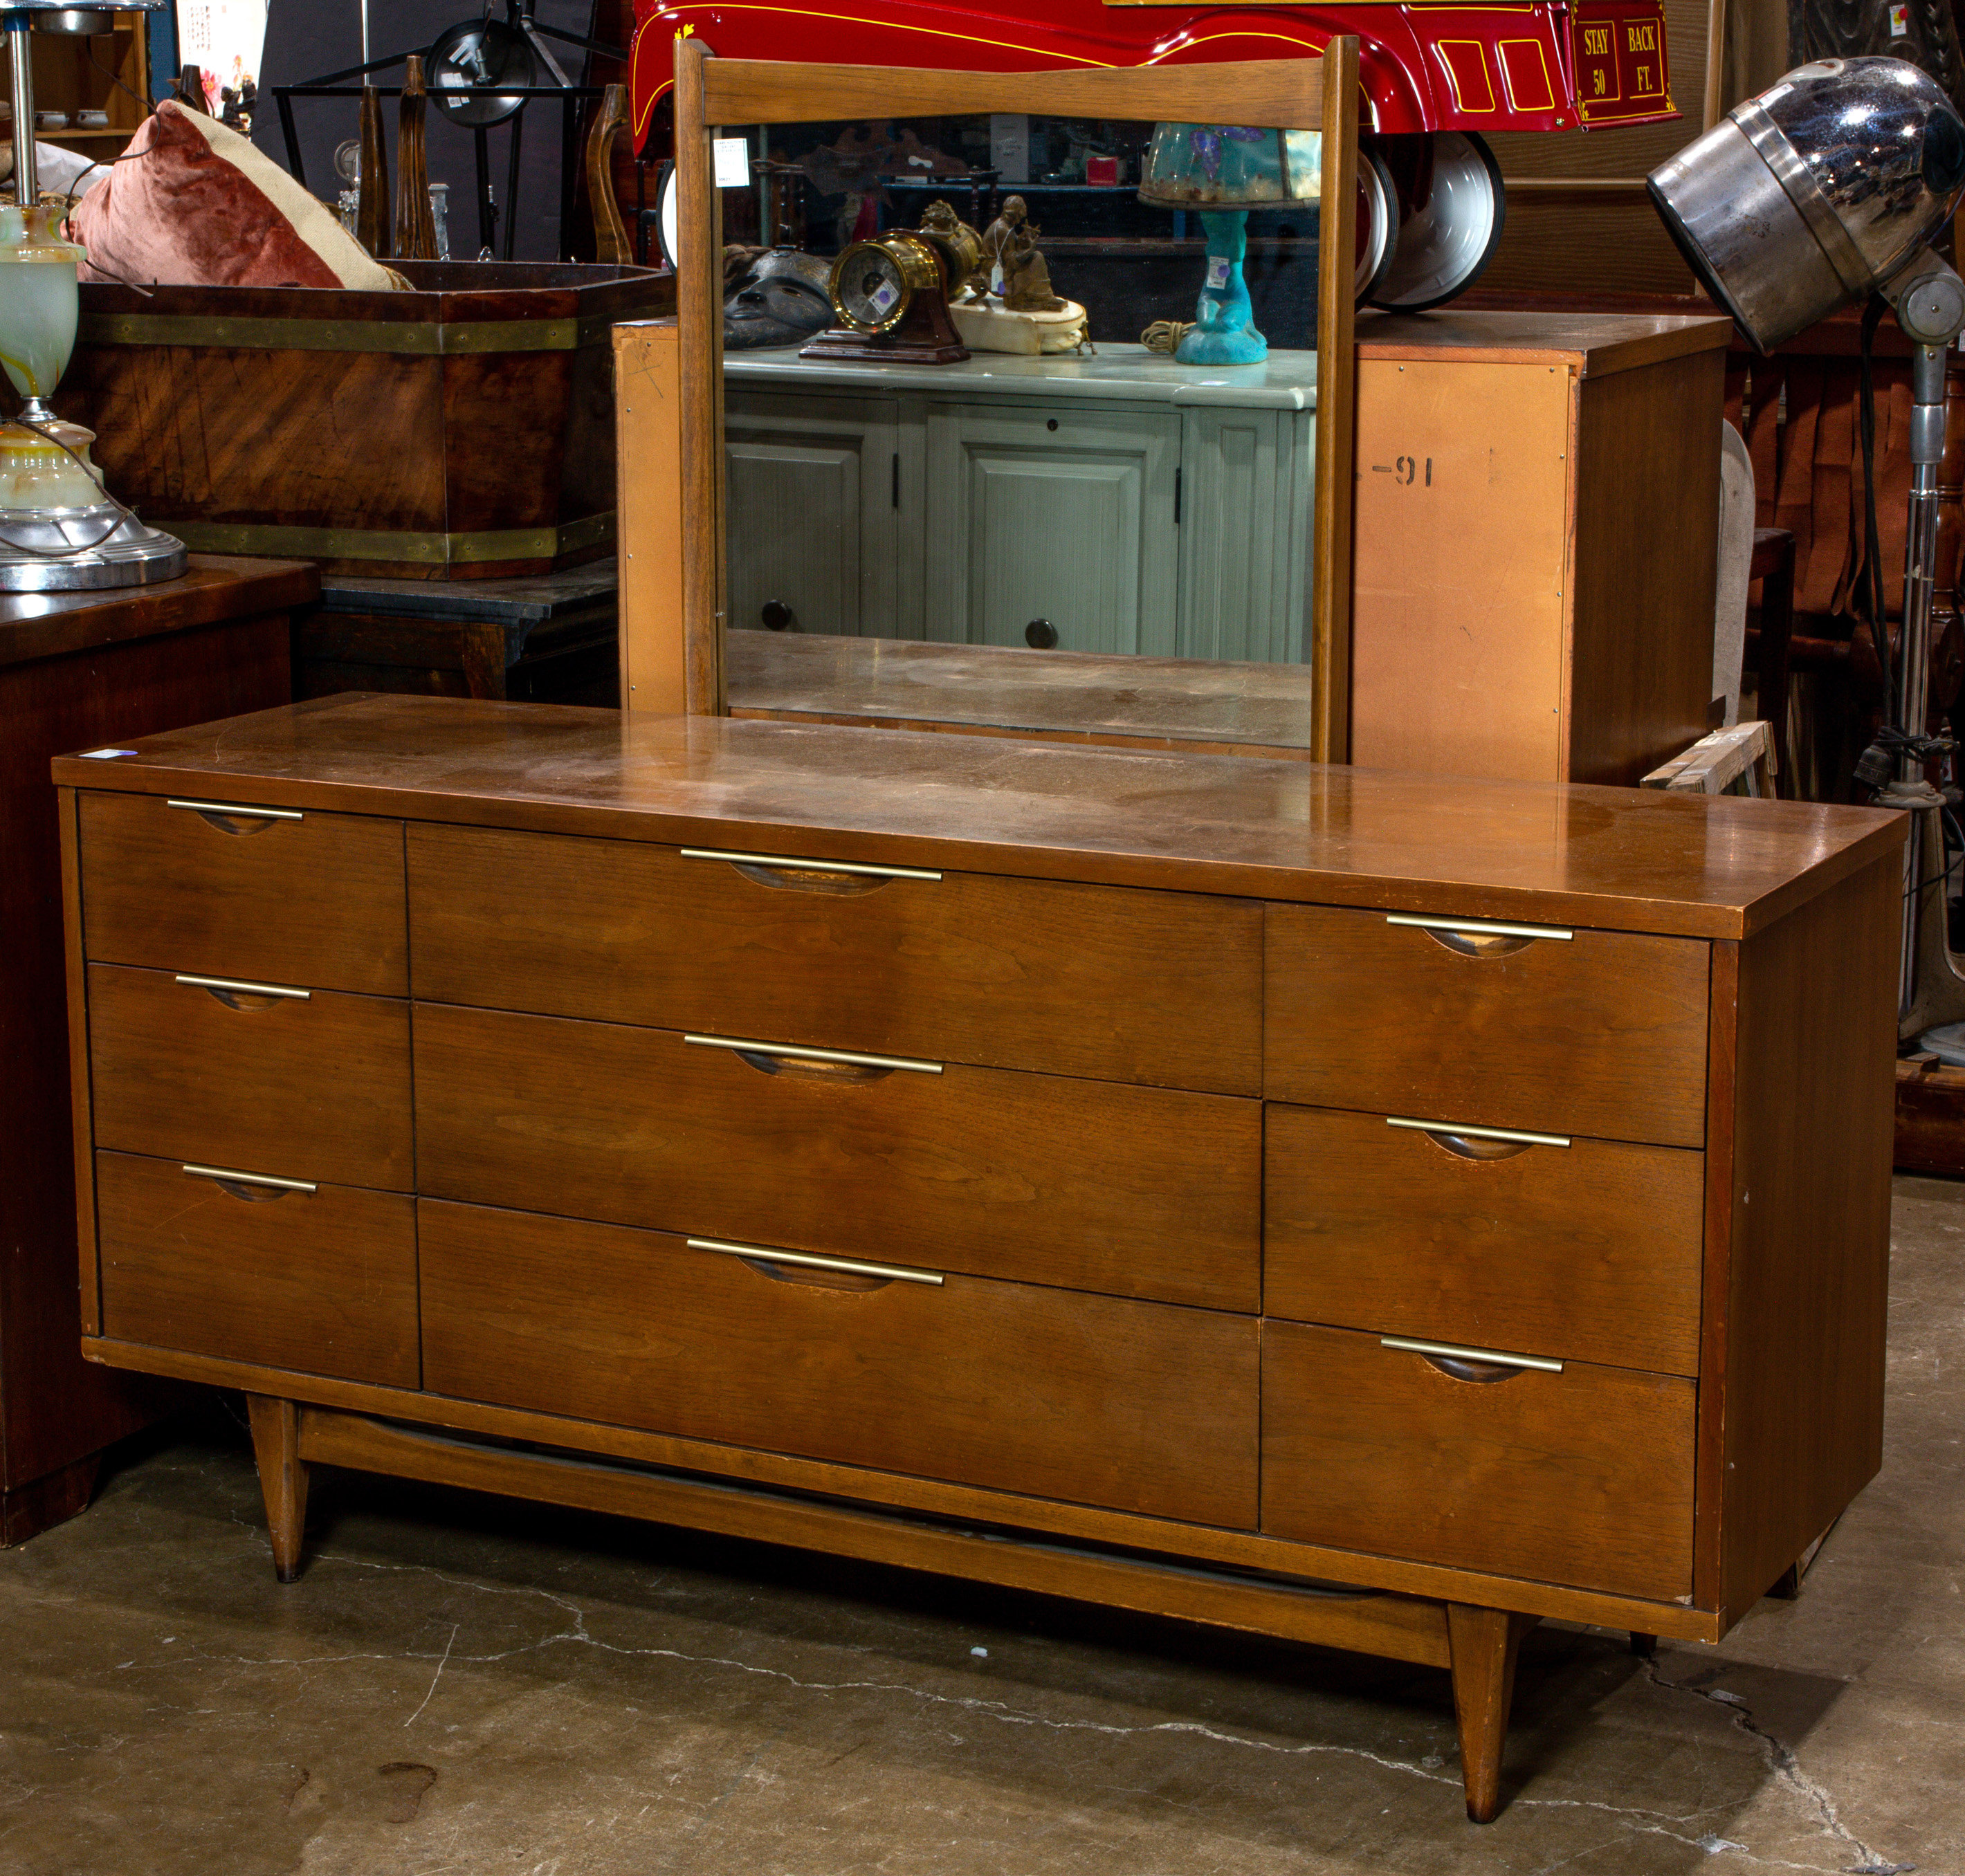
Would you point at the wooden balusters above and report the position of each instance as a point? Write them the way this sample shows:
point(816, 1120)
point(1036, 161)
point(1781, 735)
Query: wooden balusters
point(416, 226)
point(611, 245)
point(372, 214)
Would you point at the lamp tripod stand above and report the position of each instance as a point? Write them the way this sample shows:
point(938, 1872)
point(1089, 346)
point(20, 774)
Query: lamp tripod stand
point(1931, 988)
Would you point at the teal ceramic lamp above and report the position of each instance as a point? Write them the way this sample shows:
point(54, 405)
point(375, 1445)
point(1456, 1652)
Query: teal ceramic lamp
point(1223, 171)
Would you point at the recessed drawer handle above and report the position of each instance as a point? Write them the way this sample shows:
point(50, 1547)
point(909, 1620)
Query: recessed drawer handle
point(779, 862)
point(1487, 1143)
point(1477, 937)
point(844, 1057)
point(810, 1261)
point(252, 1186)
point(218, 814)
point(229, 991)
point(1451, 1358)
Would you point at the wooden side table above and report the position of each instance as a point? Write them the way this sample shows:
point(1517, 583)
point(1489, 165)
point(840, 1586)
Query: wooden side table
point(549, 638)
point(77, 671)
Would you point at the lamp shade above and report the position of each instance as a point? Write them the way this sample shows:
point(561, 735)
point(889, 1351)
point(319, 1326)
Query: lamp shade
point(1231, 166)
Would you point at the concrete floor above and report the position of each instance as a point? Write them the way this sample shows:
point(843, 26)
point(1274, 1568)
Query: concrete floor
point(460, 1684)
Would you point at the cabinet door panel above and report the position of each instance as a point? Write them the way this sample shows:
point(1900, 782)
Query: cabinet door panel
point(1045, 513)
point(812, 515)
point(1244, 536)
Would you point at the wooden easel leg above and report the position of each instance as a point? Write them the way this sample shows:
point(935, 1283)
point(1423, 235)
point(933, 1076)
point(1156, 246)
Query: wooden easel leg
point(1484, 1643)
point(276, 1443)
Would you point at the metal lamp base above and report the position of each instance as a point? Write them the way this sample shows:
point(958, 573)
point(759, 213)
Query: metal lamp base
point(132, 555)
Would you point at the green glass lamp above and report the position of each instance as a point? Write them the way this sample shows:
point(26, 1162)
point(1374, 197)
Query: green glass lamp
point(1224, 171)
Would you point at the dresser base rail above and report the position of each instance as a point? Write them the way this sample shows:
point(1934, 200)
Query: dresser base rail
point(1477, 1645)
point(1203, 1545)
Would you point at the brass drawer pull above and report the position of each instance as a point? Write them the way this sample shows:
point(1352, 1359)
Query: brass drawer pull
point(256, 1184)
point(1444, 1133)
point(1483, 1357)
point(233, 809)
point(807, 1260)
point(779, 860)
point(220, 985)
point(844, 1058)
point(1477, 928)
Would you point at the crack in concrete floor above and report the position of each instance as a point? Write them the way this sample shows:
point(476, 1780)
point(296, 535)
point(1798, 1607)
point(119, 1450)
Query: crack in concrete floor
point(159, 1696)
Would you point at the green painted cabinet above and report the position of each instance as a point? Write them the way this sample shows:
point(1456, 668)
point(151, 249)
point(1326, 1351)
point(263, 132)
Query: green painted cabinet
point(1056, 521)
point(1119, 503)
point(813, 523)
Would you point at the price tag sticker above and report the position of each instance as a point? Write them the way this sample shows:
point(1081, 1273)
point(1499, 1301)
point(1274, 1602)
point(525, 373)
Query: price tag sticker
point(1217, 273)
point(731, 156)
point(882, 298)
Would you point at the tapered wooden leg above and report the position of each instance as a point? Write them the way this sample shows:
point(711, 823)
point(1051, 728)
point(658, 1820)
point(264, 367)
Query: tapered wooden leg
point(1484, 1643)
point(1643, 1645)
point(283, 1478)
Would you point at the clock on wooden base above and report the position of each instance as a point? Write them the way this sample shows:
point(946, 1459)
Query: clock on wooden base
point(890, 298)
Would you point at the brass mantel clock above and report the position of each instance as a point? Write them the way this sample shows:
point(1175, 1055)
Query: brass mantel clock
point(890, 297)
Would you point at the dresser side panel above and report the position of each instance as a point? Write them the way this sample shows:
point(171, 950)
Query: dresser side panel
point(1646, 549)
point(1809, 1276)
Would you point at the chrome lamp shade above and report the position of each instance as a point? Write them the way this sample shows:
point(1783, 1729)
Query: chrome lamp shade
point(1827, 187)
point(1223, 171)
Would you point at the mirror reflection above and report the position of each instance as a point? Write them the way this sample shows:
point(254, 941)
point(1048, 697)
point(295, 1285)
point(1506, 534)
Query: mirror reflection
point(1040, 383)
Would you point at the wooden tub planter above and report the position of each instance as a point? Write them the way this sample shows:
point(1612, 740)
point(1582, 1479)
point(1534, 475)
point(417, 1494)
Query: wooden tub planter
point(463, 430)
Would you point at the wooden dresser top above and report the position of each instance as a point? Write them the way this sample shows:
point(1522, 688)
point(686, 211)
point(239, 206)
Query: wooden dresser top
point(1621, 859)
point(215, 586)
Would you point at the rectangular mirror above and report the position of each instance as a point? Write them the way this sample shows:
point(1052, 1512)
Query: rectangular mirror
point(954, 456)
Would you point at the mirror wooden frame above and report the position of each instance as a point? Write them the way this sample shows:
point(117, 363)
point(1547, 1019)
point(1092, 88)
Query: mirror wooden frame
point(1320, 94)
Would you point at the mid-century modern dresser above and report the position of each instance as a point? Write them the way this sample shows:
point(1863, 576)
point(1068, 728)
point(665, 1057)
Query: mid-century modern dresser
point(1354, 1207)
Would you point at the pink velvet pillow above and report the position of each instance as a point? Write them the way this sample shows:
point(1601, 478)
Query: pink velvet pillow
point(194, 204)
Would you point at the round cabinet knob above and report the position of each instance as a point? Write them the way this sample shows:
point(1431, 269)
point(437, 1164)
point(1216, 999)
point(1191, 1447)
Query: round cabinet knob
point(1041, 634)
point(778, 617)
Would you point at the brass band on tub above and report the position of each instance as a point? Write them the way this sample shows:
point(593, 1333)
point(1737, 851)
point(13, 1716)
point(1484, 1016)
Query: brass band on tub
point(225, 1175)
point(1477, 1133)
point(811, 1261)
point(810, 866)
point(1451, 1351)
point(1477, 928)
point(244, 989)
point(233, 807)
point(848, 1058)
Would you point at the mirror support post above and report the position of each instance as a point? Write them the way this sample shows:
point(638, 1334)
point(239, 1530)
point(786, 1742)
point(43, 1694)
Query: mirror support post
point(1336, 411)
point(699, 315)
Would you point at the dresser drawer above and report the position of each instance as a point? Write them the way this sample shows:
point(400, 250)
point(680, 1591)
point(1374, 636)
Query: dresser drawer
point(1590, 1251)
point(1118, 985)
point(1135, 1191)
point(277, 896)
point(1138, 1406)
point(1583, 1477)
point(322, 1282)
point(313, 1087)
point(1599, 1033)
